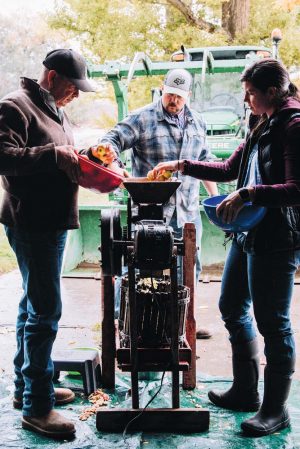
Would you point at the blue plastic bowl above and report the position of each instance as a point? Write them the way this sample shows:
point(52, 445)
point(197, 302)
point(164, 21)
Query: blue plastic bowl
point(247, 218)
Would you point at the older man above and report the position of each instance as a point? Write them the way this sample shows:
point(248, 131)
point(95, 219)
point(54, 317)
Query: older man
point(39, 171)
point(163, 131)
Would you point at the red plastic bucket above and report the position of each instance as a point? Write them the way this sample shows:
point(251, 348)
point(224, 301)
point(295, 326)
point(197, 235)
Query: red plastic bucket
point(97, 178)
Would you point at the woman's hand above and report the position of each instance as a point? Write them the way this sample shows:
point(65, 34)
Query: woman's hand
point(169, 166)
point(230, 207)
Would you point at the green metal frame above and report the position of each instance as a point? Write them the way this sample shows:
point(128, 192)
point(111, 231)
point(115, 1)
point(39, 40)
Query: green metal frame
point(121, 74)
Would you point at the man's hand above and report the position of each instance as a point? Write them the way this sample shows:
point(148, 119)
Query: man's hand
point(67, 161)
point(211, 187)
point(230, 207)
point(104, 152)
point(119, 170)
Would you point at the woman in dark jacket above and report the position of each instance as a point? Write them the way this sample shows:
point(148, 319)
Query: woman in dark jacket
point(261, 264)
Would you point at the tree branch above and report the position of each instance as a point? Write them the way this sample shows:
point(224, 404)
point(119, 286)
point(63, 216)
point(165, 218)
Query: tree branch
point(187, 12)
point(190, 17)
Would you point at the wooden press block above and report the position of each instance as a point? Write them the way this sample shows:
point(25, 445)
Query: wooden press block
point(154, 420)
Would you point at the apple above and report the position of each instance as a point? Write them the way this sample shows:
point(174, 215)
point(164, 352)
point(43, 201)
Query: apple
point(166, 174)
point(150, 176)
point(102, 153)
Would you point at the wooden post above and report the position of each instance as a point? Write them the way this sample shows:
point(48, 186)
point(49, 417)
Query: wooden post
point(108, 331)
point(174, 335)
point(189, 239)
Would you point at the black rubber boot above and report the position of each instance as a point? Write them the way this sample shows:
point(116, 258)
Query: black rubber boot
point(243, 395)
point(273, 414)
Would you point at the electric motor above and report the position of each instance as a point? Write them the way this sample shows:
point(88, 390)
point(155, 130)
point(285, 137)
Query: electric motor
point(153, 244)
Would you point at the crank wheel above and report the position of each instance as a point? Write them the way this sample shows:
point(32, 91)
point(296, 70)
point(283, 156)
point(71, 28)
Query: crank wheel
point(111, 253)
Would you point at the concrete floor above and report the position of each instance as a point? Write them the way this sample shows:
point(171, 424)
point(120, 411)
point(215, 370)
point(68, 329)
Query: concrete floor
point(80, 323)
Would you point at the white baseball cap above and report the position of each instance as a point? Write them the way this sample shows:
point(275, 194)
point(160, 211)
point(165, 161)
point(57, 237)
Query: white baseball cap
point(178, 81)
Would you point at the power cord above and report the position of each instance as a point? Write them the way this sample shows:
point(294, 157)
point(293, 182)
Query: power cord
point(140, 414)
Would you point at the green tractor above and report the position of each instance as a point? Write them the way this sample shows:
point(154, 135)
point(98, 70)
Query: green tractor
point(216, 93)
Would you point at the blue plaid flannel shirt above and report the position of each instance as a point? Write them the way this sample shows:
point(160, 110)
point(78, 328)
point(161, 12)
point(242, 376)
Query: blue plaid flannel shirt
point(153, 137)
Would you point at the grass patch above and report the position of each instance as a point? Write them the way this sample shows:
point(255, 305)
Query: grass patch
point(7, 258)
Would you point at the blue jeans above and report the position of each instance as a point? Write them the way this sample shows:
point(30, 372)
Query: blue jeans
point(39, 256)
point(177, 234)
point(266, 281)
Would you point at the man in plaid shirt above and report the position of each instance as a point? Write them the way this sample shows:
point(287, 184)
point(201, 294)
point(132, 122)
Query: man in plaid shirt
point(164, 131)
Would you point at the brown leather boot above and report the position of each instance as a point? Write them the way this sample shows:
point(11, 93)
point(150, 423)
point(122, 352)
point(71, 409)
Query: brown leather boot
point(52, 425)
point(62, 396)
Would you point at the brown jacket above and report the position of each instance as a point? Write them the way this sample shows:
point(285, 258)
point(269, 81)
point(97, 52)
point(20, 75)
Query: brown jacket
point(38, 196)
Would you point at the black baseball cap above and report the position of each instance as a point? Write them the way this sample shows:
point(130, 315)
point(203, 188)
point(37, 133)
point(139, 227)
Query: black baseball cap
point(70, 64)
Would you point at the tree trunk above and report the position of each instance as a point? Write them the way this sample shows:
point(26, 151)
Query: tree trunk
point(235, 16)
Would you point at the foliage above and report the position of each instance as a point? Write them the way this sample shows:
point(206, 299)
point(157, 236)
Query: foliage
point(268, 15)
point(23, 47)
point(24, 42)
point(113, 29)
point(116, 29)
point(93, 109)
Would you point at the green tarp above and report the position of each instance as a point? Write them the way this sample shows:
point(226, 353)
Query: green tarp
point(224, 431)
